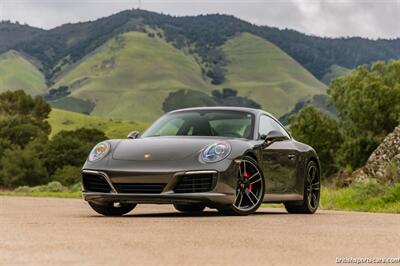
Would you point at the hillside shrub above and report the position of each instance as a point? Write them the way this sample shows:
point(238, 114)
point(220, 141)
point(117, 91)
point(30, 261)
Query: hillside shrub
point(53, 186)
point(67, 175)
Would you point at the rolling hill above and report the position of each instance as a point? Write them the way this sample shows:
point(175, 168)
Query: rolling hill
point(261, 71)
point(17, 72)
point(130, 76)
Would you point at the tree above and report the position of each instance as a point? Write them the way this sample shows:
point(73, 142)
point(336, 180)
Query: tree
point(187, 98)
point(20, 103)
point(320, 131)
point(217, 75)
point(368, 105)
point(70, 148)
point(22, 118)
point(20, 167)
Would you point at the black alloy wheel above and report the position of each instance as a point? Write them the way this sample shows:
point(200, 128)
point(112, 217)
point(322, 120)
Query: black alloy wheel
point(250, 189)
point(312, 192)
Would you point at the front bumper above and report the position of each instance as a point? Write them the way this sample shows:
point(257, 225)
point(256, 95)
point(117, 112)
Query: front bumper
point(209, 198)
point(221, 192)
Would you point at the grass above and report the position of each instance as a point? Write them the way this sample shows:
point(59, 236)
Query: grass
point(53, 189)
point(266, 74)
point(43, 194)
point(130, 76)
point(65, 120)
point(16, 72)
point(365, 196)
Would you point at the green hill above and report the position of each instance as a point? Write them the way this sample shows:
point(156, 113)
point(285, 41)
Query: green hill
point(261, 71)
point(130, 76)
point(65, 120)
point(335, 71)
point(16, 72)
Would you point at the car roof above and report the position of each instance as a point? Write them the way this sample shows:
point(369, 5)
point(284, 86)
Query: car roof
point(223, 108)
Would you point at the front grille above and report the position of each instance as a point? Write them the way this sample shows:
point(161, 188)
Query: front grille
point(95, 183)
point(142, 188)
point(194, 183)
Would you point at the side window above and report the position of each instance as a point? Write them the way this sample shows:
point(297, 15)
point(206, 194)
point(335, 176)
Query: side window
point(267, 125)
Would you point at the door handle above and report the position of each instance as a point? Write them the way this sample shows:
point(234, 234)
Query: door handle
point(291, 156)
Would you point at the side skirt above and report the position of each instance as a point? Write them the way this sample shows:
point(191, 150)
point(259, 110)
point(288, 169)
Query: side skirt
point(277, 198)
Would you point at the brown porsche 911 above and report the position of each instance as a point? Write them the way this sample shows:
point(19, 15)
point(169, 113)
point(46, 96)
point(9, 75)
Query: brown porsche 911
point(228, 158)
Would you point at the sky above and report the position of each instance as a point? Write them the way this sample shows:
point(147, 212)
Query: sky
point(329, 18)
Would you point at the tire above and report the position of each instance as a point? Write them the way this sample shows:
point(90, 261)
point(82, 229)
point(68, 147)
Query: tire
point(311, 196)
point(245, 181)
point(109, 209)
point(190, 208)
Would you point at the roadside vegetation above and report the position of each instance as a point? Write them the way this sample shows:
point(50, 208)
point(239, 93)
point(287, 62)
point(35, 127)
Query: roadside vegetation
point(53, 189)
point(31, 154)
point(368, 109)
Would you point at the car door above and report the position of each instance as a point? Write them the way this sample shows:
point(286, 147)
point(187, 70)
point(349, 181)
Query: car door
point(279, 159)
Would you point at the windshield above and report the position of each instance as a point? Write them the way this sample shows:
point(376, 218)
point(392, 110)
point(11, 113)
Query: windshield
point(204, 123)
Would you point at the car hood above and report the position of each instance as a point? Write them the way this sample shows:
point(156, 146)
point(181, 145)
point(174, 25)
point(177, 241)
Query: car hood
point(160, 148)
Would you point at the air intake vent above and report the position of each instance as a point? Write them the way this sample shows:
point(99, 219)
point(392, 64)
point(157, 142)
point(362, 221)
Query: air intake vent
point(140, 188)
point(194, 183)
point(95, 183)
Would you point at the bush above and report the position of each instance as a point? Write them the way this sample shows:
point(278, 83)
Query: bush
point(392, 194)
point(53, 186)
point(22, 167)
point(68, 175)
point(367, 188)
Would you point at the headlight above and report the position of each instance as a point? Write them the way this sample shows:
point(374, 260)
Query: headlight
point(215, 152)
point(99, 151)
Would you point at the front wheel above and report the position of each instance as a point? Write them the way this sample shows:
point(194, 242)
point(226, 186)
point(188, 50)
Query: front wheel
point(249, 189)
point(312, 186)
point(111, 209)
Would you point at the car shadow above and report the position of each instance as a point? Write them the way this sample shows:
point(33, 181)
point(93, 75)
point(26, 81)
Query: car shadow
point(205, 214)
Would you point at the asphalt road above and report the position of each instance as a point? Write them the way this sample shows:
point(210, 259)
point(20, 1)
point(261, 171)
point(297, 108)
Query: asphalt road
point(49, 231)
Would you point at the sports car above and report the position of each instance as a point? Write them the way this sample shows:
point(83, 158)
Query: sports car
point(228, 158)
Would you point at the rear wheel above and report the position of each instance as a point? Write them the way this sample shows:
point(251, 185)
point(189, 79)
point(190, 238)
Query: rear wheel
point(112, 209)
point(249, 189)
point(192, 208)
point(312, 185)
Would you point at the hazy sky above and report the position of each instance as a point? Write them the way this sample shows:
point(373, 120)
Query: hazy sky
point(367, 18)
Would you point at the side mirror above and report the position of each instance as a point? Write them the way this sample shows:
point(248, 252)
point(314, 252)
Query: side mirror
point(273, 136)
point(133, 135)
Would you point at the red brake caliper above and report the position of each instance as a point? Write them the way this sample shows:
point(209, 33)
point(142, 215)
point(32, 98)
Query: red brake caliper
point(246, 176)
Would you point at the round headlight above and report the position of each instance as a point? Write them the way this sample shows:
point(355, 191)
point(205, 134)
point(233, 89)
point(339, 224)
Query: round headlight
point(99, 151)
point(215, 152)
